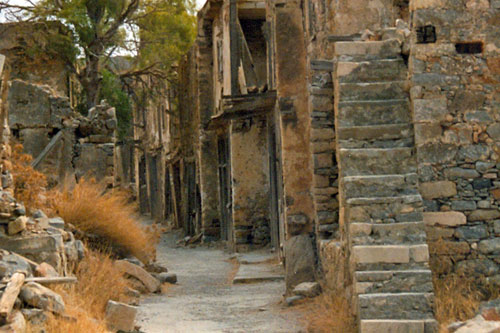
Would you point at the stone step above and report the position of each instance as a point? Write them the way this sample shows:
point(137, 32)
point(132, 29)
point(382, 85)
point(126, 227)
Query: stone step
point(364, 113)
point(374, 282)
point(387, 233)
point(368, 50)
point(402, 199)
point(380, 186)
point(398, 326)
point(372, 161)
point(376, 132)
point(390, 254)
point(396, 306)
point(372, 71)
point(372, 91)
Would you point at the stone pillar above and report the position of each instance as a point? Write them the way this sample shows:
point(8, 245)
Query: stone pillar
point(297, 168)
point(207, 139)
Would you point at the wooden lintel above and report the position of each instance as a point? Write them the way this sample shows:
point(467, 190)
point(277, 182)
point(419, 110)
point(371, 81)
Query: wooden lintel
point(248, 103)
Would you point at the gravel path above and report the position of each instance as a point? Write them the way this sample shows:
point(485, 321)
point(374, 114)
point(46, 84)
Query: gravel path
point(204, 300)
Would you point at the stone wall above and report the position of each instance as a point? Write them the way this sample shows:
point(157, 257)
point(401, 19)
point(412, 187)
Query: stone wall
point(31, 56)
point(455, 78)
point(37, 115)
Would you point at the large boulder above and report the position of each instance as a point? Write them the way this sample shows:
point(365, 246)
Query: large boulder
point(300, 261)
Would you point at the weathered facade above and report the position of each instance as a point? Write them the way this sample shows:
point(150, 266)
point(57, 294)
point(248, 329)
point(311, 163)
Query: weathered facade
point(362, 135)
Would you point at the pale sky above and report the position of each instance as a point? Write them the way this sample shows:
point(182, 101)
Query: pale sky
point(200, 3)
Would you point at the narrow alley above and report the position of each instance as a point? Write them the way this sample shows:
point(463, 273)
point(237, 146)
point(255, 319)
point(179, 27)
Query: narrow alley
point(205, 299)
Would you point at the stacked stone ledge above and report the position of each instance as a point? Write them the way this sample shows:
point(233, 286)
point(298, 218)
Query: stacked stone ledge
point(382, 207)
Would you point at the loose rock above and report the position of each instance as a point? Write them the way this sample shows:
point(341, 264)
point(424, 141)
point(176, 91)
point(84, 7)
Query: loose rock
point(41, 297)
point(120, 317)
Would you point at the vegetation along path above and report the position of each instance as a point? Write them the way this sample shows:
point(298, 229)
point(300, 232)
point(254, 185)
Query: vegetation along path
point(205, 300)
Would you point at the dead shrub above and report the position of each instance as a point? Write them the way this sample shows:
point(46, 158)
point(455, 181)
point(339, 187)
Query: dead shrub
point(458, 297)
point(29, 184)
point(107, 214)
point(329, 313)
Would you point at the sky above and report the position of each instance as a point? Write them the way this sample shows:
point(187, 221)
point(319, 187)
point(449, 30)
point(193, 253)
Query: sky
point(200, 3)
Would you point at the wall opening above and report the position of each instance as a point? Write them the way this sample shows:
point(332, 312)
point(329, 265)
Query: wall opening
point(426, 34)
point(469, 47)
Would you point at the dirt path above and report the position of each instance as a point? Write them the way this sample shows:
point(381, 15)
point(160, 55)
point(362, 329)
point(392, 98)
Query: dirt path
point(205, 301)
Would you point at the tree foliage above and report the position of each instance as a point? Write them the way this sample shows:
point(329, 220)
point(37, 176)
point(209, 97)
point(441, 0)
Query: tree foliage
point(154, 32)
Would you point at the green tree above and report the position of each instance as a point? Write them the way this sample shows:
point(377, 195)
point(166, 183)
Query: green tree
point(156, 32)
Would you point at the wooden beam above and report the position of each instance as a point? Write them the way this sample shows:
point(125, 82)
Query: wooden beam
point(248, 104)
point(234, 46)
point(47, 280)
point(251, 79)
point(47, 149)
point(10, 294)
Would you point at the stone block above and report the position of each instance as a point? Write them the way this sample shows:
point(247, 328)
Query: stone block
point(300, 261)
point(494, 131)
point(378, 326)
point(419, 253)
point(45, 270)
point(450, 219)
point(477, 267)
point(120, 317)
point(484, 215)
point(167, 278)
point(427, 132)
point(29, 105)
point(41, 297)
point(439, 189)
point(455, 173)
point(489, 246)
point(381, 254)
point(18, 225)
point(472, 233)
point(462, 205)
point(430, 110)
point(307, 289)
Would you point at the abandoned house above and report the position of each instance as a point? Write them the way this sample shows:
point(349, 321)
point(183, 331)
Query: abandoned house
point(359, 139)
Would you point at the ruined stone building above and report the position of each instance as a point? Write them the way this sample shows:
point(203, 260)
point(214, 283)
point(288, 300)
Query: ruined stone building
point(40, 109)
point(360, 139)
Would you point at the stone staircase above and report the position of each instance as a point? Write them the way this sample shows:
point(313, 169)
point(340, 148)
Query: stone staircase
point(382, 207)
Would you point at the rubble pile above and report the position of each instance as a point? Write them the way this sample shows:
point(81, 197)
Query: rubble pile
point(36, 252)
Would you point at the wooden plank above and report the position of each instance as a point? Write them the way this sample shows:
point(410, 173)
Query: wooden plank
point(47, 149)
point(47, 280)
point(10, 294)
point(251, 79)
point(249, 103)
point(234, 46)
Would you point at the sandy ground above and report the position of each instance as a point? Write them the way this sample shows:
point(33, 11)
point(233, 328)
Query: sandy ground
point(204, 300)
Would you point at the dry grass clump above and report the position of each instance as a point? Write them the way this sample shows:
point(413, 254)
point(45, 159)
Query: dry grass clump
point(29, 184)
point(98, 282)
point(329, 313)
point(458, 297)
point(108, 214)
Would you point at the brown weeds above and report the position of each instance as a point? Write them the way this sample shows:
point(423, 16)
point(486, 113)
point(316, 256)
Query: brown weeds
point(107, 214)
point(329, 313)
point(458, 297)
point(29, 184)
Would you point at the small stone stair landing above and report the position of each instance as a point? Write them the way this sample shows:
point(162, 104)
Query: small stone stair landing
point(382, 215)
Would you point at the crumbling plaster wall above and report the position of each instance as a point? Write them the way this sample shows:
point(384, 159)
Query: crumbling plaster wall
point(456, 103)
point(250, 181)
